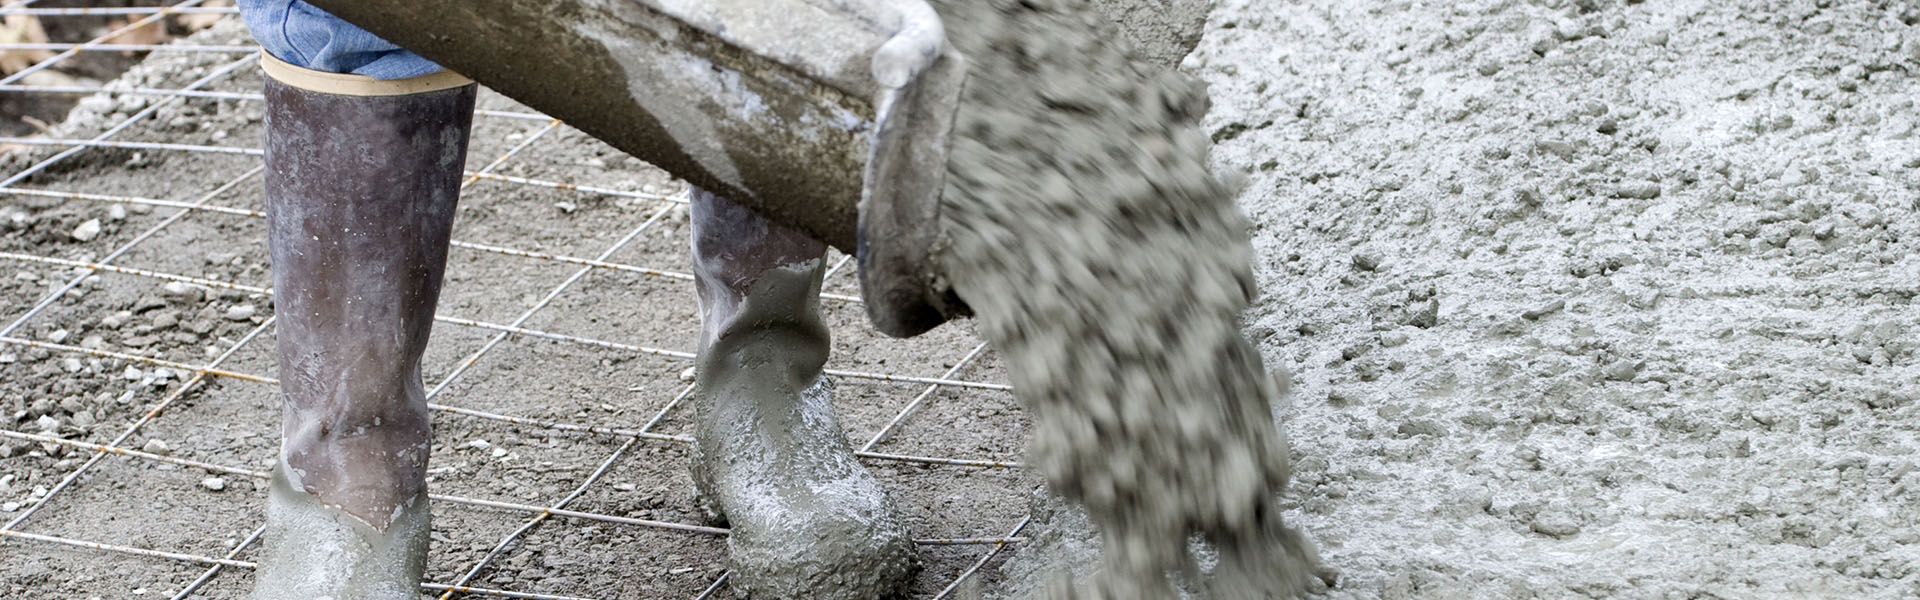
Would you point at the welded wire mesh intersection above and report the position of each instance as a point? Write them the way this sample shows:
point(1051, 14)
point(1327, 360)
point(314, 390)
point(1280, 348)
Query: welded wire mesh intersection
point(483, 347)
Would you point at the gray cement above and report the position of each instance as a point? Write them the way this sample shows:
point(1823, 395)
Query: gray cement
point(313, 551)
point(1161, 31)
point(1754, 441)
point(1588, 299)
point(1110, 266)
point(807, 520)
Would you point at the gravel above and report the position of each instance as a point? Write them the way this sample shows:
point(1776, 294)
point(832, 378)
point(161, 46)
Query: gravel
point(87, 231)
point(239, 312)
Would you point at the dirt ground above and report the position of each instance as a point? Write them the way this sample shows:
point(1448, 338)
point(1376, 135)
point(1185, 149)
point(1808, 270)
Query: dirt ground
point(28, 113)
point(1582, 298)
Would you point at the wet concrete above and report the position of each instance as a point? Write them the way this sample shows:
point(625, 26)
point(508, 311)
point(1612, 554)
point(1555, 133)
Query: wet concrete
point(1765, 448)
point(1162, 31)
point(1110, 267)
point(770, 459)
point(314, 551)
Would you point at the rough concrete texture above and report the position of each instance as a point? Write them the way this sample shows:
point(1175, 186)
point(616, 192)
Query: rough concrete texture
point(1110, 267)
point(1588, 298)
point(316, 551)
point(770, 459)
point(1161, 31)
point(1705, 393)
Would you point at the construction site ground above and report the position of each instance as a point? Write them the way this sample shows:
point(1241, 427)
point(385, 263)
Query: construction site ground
point(1581, 298)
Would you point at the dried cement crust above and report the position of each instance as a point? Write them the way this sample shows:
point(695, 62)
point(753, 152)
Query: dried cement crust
point(1110, 268)
point(317, 552)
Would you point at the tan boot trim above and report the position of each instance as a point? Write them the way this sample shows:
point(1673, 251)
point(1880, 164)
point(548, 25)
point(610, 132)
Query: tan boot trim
point(356, 85)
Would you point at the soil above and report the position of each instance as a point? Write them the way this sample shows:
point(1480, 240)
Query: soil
point(1582, 298)
point(28, 113)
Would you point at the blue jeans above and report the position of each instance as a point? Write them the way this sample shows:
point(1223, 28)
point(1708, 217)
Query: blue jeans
point(305, 36)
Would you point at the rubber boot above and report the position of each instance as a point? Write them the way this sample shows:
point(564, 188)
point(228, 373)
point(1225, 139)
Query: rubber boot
point(361, 182)
point(807, 519)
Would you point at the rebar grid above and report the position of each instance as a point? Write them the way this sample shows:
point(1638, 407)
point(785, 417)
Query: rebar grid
point(199, 375)
point(135, 25)
point(984, 559)
point(600, 430)
point(109, 47)
point(109, 11)
point(229, 562)
point(202, 373)
point(50, 299)
point(241, 151)
point(93, 267)
point(214, 569)
point(541, 513)
point(82, 145)
point(238, 96)
point(515, 536)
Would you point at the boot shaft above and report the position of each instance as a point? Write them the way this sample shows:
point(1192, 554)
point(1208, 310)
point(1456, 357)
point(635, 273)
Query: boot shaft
point(758, 284)
point(362, 179)
point(361, 191)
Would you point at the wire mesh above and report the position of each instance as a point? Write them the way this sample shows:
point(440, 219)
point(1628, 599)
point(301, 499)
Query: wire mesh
point(206, 380)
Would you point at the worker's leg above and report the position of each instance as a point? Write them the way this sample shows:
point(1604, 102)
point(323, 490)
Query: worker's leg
point(305, 36)
point(362, 175)
point(807, 519)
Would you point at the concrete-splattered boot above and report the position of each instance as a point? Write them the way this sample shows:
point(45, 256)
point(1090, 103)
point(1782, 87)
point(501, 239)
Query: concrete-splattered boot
point(361, 181)
point(807, 520)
